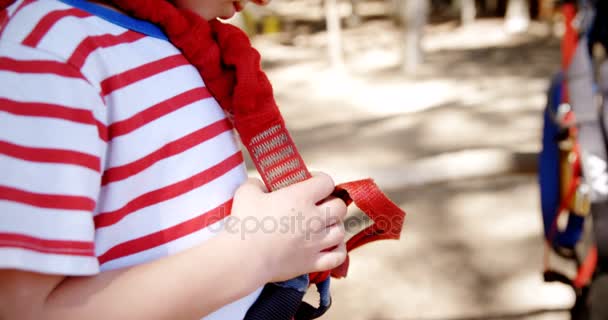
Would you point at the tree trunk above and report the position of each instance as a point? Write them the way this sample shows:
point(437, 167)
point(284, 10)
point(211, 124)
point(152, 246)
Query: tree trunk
point(334, 36)
point(396, 7)
point(414, 14)
point(491, 7)
point(355, 18)
point(518, 16)
point(468, 11)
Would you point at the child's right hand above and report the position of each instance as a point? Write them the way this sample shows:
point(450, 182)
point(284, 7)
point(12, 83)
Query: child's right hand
point(290, 231)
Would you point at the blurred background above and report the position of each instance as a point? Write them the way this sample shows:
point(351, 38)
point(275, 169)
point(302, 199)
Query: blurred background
point(441, 103)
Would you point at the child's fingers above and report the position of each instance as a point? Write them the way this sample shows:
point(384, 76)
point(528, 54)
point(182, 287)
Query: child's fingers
point(329, 213)
point(252, 186)
point(330, 237)
point(333, 210)
point(315, 189)
point(331, 259)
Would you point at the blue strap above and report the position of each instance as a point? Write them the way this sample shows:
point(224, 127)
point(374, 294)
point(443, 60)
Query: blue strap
point(308, 312)
point(118, 18)
point(299, 283)
point(283, 301)
point(324, 293)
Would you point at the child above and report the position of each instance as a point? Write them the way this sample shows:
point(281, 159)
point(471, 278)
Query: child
point(119, 168)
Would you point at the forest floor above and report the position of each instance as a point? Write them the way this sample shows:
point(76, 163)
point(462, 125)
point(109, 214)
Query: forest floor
point(454, 145)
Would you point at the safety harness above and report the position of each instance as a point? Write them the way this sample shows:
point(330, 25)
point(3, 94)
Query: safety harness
point(573, 168)
point(230, 67)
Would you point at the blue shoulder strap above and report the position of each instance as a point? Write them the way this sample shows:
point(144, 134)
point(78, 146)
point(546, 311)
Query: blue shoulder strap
point(118, 18)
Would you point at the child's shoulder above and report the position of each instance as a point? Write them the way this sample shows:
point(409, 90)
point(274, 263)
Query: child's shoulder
point(53, 26)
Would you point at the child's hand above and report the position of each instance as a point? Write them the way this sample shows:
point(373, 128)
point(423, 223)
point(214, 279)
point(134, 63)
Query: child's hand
point(292, 231)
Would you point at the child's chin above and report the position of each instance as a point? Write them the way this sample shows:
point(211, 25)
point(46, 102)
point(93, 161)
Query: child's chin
point(232, 11)
point(226, 17)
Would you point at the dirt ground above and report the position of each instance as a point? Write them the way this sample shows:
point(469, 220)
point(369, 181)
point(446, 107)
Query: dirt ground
point(454, 145)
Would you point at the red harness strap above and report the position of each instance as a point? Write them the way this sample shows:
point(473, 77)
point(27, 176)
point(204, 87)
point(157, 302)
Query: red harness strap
point(570, 38)
point(387, 217)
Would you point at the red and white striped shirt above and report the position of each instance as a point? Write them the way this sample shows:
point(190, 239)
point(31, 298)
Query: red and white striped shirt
point(112, 151)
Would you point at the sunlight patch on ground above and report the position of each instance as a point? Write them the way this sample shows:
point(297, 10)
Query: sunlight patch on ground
point(387, 127)
point(494, 33)
point(391, 172)
point(512, 96)
point(381, 99)
point(462, 38)
point(480, 211)
point(517, 293)
point(375, 59)
point(402, 99)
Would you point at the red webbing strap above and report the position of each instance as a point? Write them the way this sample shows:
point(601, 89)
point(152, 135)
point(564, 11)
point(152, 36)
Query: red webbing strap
point(570, 39)
point(586, 270)
point(388, 217)
point(569, 42)
point(275, 155)
point(388, 220)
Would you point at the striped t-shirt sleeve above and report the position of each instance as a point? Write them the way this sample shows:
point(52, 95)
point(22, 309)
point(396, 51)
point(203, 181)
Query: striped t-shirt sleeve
point(52, 146)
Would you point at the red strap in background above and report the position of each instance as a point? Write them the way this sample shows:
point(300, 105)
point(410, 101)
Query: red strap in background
point(586, 269)
point(569, 42)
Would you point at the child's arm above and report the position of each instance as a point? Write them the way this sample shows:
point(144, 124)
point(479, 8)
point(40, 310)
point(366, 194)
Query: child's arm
point(194, 283)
